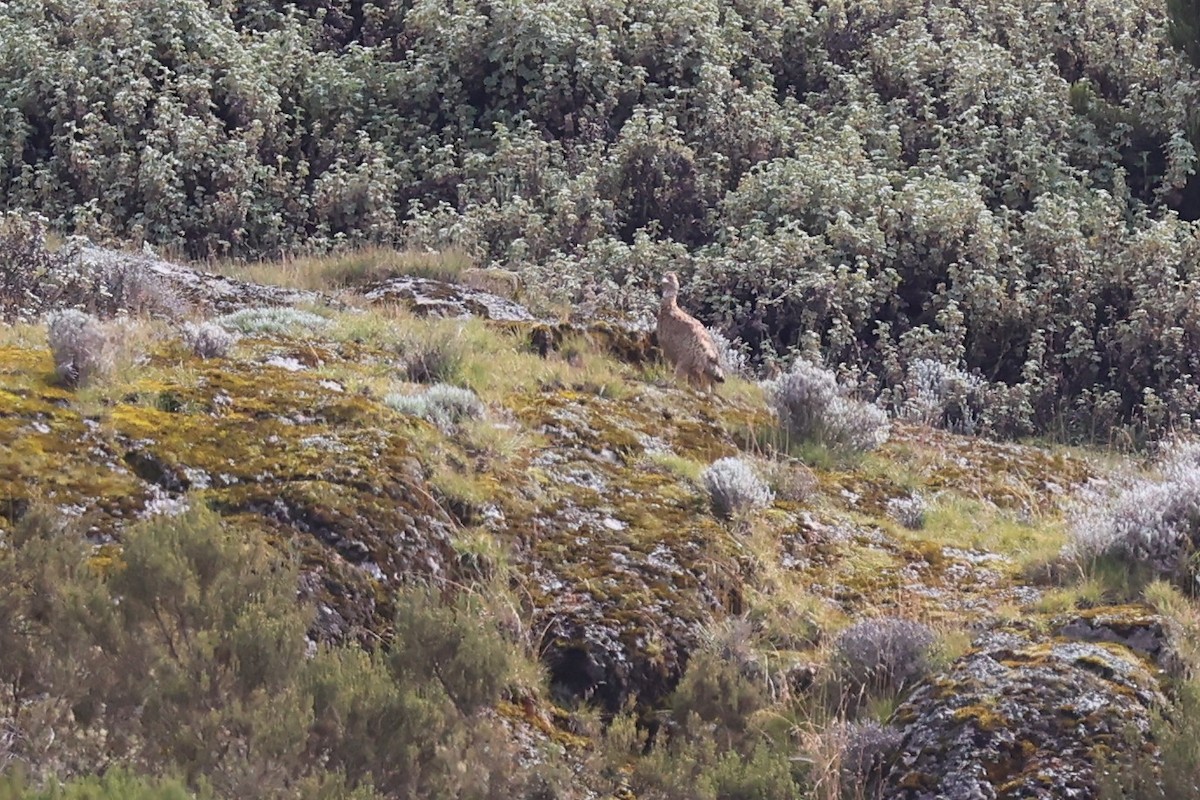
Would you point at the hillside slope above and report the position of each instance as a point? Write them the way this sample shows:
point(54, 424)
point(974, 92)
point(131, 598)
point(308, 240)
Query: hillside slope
point(561, 479)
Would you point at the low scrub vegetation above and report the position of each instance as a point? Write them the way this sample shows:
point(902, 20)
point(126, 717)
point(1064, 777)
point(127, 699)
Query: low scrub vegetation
point(445, 406)
point(186, 652)
point(273, 321)
point(82, 347)
point(881, 656)
point(1144, 527)
point(207, 339)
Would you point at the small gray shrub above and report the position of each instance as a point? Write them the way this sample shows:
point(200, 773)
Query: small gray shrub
point(81, 347)
point(35, 280)
point(812, 407)
point(909, 511)
point(734, 488)
point(882, 655)
point(1153, 523)
point(441, 404)
point(866, 749)
point(272, 321)
point(207, 339)
point(943, 396)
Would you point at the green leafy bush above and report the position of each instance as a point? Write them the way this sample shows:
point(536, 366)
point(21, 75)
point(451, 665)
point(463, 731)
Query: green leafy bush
point(115, 784)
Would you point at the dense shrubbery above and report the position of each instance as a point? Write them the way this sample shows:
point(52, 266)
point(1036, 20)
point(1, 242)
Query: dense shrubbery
point(185, 654)
point(896, 182)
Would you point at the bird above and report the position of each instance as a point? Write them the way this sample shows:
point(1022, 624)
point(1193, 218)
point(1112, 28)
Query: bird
point(685, 343)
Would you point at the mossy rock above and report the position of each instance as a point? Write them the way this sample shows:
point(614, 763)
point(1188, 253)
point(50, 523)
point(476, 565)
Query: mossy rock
point(1018, 719)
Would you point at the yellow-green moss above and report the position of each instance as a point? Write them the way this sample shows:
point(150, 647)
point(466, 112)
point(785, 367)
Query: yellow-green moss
point(981, 717)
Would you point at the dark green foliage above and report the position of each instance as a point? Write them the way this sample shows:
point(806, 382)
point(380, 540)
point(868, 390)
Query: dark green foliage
point(715, 692)
point(1184, 28)
point(712, 749)
point(1172, 771)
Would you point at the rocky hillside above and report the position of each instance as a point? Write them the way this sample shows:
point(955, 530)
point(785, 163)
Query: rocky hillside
point(523, 554)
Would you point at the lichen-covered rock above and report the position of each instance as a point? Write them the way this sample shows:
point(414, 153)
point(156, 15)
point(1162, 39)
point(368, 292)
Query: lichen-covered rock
point(282, 450)
point(438, 299)
point(202, 289)
point(1020, 720)
point(1135, 627)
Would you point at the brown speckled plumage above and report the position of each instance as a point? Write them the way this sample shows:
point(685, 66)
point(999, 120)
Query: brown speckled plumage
point(685, 343)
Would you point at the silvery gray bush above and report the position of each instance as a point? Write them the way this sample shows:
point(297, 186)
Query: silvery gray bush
point(207, 339)
point(272, 321)
point(442, 404)
point(884, 654)
point(812, 407)
point(734, 488)
point(909, 511)
point(1153, 523)
point(866, 748)
point(81, 347)
point(943, 396)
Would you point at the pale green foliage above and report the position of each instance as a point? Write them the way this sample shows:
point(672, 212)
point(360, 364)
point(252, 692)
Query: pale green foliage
point(273, 321)
point(113, 785)
point(441, 404)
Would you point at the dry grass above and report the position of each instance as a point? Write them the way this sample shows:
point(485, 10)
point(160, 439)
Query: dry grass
point(22, 334)
point(349, 269)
